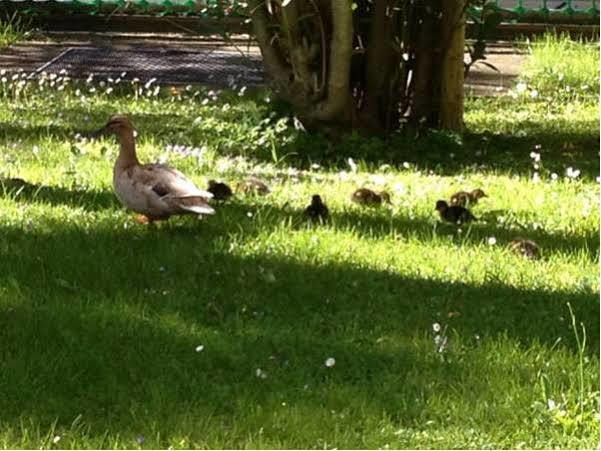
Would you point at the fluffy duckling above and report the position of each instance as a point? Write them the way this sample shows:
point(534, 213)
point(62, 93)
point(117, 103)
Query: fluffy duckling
point(15, 183)
point(455, 214)
point(253, 186)
point(526, 248)
point(220, 190)
point(463, 198)
point(365, 196)
point(155, 191)
point(317, 211)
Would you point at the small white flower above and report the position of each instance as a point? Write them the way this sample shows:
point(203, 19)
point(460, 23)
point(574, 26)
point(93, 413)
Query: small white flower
point(551, 404)
point(56, 439)
point(572, 173)
point(199, 348)
point(330, 362)
point(315, 166)
point(249, 214)
point(242, 91)
point(492, 241)
point(352, 164)
point(534, 94)
point(149, 83)
point(535, 177)
point(298, 124)
point(399, 188)
point(436, 327)
point(535, 156)
point(260, 373)
point(521, 87)
point(406, 165)
point(554, 176)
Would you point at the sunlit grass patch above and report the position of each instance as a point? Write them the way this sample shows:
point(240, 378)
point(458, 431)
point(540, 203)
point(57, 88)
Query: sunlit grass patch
point(562, 68)
point(253, 328)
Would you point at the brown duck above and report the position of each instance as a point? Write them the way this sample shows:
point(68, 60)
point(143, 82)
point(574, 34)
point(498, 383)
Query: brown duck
point(253, 186)
point(220, 190)
point(454, 214)
point(463, 198)
point(526, 248)
point(155, 191)
point(365, 196)
point(317, 211)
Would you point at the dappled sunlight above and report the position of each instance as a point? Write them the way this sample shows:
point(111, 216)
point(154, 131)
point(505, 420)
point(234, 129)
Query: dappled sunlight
point(255, 328)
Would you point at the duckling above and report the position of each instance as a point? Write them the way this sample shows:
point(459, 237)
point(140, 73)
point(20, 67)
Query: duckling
point(526, 248)
point(463, 198)
point(219, 190)
point(365, 196)
point(253, 186)
point(317, 211)
point(455, 214)
point(15, 183)
point(155, 191)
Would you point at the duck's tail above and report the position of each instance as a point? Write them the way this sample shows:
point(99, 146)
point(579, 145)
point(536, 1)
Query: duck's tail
point(194, 204)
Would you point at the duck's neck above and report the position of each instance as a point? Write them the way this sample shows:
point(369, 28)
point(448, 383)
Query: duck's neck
point(127, 154)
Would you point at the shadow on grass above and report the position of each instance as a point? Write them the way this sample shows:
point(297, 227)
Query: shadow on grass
point(233, 216)
point(111, 333)
point(23, 191)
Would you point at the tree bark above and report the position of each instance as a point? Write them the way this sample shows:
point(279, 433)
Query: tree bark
point(337, 103)
point(379, 62)
point(451, 96)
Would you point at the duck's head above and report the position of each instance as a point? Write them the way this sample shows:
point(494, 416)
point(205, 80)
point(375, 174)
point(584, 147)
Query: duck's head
point(316, 200)
point(441, 205)
point(478, 193)
point(385, 197)
point(117, 125)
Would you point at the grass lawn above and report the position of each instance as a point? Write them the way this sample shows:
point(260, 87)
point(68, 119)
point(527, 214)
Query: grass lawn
point(252, 329)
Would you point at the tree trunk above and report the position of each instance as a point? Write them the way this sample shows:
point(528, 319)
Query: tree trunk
point(451, 99)
point(407, 61)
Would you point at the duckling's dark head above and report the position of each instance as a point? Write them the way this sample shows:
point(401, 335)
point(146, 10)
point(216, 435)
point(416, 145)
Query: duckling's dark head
point(441, 205)
point(385, 196)
point(212, 184)
point(117, 125)
point(478, 193)
point(316, 200)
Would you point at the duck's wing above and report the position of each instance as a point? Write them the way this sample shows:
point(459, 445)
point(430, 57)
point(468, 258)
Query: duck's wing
point(163, 184)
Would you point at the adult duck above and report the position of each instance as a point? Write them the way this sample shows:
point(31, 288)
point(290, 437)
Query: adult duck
point(155, 191)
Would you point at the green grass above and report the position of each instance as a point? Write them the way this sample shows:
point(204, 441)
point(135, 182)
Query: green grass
point(563, 68)
point(101, 319)
point(12, 30)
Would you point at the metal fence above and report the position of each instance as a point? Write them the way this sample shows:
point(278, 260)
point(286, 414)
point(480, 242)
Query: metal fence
point(519, 8)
